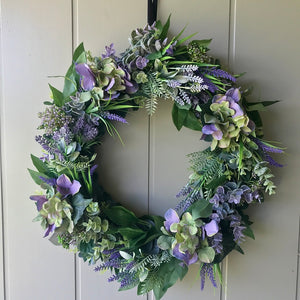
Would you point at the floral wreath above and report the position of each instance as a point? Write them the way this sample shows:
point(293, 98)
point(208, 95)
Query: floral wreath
point(152, 252)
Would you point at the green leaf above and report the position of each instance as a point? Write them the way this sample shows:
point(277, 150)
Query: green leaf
point(248, 232)
point(154, 55)
point(40, 165)
point(121, 216)
point(165, 29)
point(251, 106)
point(192, 122)
point(165, 242)
point(206, 255)
point(185, 39)
point(125, 255)
point(239, 249)
point(170, 272)
point(79, 204)
point(178, 116)
point(36, 176)
point(200, 209)
point(216, 182)
point(78, 52)
point(133, 235)
point(70, 86)
point(85, 96)
point(58, 96)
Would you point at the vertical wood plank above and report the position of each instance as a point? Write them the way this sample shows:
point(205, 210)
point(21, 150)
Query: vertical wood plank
point(36, 38)
point(123, 169)
point(266, 46)
point(2, 291)
point(168, 162)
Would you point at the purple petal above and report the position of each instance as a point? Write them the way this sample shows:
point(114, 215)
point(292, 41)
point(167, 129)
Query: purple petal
point(93, 169)
point(171, 217)
point(50, 181)
point(40, 200)
point(238, 110)
point(50, 229)
point(75, 187)
point(212, 129)
point(111, 84)
point(141, 62)
point(211, 228)
point(185, 256)
point(234, 94)
point(217, 135)
point(209, 129)
point(132, 88)
point(63, 181)
point(87, 78)
point(66, 187)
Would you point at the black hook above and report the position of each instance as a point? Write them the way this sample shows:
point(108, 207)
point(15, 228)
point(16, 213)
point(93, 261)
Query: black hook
point(152, 11)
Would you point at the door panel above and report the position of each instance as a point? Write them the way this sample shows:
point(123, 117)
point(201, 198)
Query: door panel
point(36, 43)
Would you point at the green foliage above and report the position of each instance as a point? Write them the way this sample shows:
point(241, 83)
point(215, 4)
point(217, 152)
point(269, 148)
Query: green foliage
point(79, 204)
point(36, 176)
point(121, 216)
point(264, 175)
point(184, 117)
point(207, 166)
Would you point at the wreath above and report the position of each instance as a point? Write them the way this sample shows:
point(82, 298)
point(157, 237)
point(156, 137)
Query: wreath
point(209, 221)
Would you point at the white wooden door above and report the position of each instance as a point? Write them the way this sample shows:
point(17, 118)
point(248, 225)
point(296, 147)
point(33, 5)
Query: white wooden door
point(36, 41)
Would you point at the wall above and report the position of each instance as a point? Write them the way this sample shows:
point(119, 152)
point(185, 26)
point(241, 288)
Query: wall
point(36, 41)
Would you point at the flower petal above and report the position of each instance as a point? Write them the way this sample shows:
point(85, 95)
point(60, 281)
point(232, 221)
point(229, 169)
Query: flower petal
point(211, 228)
point(75, 187)
point(50, 229)
point(86, 76)
point(40, 200)
point(185, 256)
point(234, 94)
point(209, 129)
point(171, 217)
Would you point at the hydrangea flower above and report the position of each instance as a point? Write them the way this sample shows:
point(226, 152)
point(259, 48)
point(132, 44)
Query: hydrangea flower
point(40, 200)
point(232, 96)
point(211, 228)
point(66, 187)
point(87, 78)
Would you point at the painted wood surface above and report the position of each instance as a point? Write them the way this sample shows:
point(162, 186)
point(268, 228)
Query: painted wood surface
point(37, 38)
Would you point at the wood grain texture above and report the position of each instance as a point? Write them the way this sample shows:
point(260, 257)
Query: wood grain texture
point(267, 47)
point(36, 43)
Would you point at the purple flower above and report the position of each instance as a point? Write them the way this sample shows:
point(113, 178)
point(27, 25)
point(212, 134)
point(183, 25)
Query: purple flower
point(207, 269)
point(211, 228)
point(93, 169)
point(171, 217)
point(50, 229)
point(235, 196)
point(49, 181)
point(87, 78)
point(170, 50)
point(213, 130)
point(109, 51)
point(114, 117)
point(40, 200)
point(232, 96)
point(185, 256)
point(141, 62)
point(66, 187)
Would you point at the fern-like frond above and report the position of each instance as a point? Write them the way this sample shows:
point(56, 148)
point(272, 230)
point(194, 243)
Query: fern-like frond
point(150, 105)
point(206, 165)
point(153, 280)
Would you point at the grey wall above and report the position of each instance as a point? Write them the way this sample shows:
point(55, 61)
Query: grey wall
point(36, 40)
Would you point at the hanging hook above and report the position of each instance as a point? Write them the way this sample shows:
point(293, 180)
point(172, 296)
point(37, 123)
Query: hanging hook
point(152, 11)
